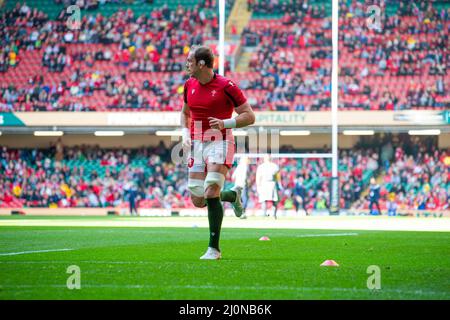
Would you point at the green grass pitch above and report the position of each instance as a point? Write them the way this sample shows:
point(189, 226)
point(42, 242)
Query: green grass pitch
point(163, 263)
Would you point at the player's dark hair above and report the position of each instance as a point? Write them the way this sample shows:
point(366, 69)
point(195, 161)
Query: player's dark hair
point(204, 53)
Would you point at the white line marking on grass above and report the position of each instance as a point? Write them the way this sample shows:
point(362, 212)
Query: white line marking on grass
point(326, 235)
point(79, 261)
point(36, 251)
point(349, 223)
point(236, 288)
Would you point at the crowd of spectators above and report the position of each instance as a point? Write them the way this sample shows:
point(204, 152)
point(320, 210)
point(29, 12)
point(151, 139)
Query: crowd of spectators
point(97, 178)
point(286, 7)
point(117, 92)
point(283, 84)
point(89, 176)
point(414, 177)
point(276, 57)
point(157, 42)
point(14, 35)
point(421, 183)
point(411, 42)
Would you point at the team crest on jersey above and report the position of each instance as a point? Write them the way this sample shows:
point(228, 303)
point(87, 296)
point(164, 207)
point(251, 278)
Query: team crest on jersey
point(190, 162)
point(213, 92)
point(231, 84)
point(193, 91)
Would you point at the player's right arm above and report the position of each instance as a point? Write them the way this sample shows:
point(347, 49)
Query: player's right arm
point(185, 122)
point(186, 118)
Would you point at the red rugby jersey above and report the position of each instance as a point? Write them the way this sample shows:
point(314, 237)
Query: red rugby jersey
point(216, 99)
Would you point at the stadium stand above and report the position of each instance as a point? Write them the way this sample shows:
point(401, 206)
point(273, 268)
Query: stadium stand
point(405, 62)
point(417, 180)
point(93, 177)
point(127, 58)
point(415, 54)
point(123, 61)
point(89, 176)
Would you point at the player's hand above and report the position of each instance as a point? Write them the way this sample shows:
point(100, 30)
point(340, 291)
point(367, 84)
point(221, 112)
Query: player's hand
point(186, 138)
point(215, 123)
point(187, 143)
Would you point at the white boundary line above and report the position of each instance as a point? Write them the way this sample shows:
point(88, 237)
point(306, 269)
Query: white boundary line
point(326, 235)
point(298, 236)
point(36, 251)
point(298, 289)
point(332, 223)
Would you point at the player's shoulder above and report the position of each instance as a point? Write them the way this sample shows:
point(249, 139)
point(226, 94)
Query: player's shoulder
point(226, 82)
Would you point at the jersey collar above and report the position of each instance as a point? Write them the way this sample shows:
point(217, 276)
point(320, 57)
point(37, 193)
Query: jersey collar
point(213, 78)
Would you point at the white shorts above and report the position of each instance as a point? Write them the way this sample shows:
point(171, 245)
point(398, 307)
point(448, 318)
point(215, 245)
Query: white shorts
point(202, 153)
point(267, 192)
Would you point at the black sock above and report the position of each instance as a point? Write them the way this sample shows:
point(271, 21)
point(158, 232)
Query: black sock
point(215, 217)
point(228, 195)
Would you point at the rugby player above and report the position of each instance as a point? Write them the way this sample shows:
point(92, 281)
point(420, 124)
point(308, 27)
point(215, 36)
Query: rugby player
point(207, 122)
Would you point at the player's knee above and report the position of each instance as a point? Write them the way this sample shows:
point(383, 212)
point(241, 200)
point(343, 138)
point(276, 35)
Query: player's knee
point(214, 182)
point(198, 202)
point(213, 191)
point(196, 187)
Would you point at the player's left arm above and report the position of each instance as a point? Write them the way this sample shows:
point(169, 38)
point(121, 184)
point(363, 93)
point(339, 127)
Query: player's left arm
point(245, 114)
point(245, 117)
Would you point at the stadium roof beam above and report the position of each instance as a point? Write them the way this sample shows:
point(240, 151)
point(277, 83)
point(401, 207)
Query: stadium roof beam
point(428, 132)
point(295, 132)
point(358, 132)
point(74, 130)
point(168, 133)
point(55, 133)
point(109, 133)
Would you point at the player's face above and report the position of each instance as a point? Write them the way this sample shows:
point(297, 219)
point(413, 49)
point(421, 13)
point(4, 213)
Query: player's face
point(191, 65)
